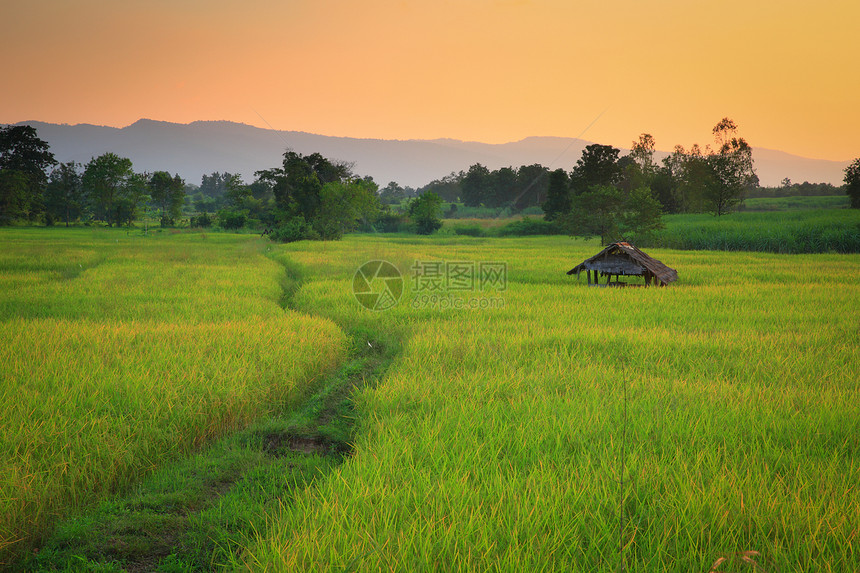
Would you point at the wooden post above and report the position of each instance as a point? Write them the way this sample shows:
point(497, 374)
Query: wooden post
point(588, 272)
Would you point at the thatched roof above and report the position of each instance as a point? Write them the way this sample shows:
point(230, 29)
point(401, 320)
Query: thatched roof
point(655, 267)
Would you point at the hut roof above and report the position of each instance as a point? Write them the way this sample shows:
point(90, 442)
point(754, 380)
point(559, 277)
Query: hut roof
point(658, 269)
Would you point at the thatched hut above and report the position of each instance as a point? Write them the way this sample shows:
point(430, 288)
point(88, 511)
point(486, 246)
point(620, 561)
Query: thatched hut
point(623, 259)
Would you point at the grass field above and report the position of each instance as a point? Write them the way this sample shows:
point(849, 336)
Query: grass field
point(120, 353)
point(568, 428)
point(500, 438)
point(791, 225)
point(790, 203)
point(788, 232)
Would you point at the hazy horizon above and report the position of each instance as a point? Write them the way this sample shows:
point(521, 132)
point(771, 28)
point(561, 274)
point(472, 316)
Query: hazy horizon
point(204, 146)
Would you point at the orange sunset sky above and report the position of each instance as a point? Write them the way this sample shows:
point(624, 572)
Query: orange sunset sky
point(494, 71)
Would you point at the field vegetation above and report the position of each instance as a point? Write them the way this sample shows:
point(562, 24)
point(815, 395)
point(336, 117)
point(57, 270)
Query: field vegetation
point(795, 202)
point(709, 424)
point(785, 229)
point(700, 426)
point(122, 352)
point(788, 232)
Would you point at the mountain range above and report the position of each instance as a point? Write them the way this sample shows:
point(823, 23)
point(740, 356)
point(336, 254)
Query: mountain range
point(203, 147)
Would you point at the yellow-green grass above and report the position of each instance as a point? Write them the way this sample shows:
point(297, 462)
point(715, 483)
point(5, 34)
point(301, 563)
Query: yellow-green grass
point(119, 353)
point(797, 202)
point(786, 232)
point(495, 442)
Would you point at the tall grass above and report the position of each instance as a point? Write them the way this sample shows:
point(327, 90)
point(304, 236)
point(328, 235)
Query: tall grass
point(495, 441)
point(120, 353)
point(787, 232)
point(786, 203)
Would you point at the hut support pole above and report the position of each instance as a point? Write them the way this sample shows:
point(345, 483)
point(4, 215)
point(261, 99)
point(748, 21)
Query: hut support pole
point(588, 273)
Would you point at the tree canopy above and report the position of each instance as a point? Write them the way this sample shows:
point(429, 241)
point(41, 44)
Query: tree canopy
point(168, 193)
point(64, 195)
point(108, 180)
point(424, 211)
point(24, 161)
point(598, 165)
point(852, 183)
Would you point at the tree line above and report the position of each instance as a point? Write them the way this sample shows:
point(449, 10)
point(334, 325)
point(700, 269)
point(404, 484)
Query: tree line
point(615, 197)
point(35, 187)
point(306, 197)
point(312, 197)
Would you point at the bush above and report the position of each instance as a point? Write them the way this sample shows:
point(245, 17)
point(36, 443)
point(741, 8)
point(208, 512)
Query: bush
point(232, 220)
point(391, 223)
point(528, 227)
point(426, 225)
point(424, 212)
point(201, 220)
point(295, 229)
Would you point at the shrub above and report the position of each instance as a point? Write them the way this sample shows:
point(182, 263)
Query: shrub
point(295, 229)
point(424, 212)
point(391, 223)
point(201, 220)
point(232, 220)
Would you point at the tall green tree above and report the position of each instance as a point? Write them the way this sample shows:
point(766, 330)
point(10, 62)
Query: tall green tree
point(345, 205)
point(106, 180)
point(612, 214)
point(64, 196)
point(642, 151)
point(532, 186)
point(852, 183)
point(665, 189)
point(502, 187)
point(558, 201)
point(237, 192)
point(297, 185)
point(475, 187)
point(168, 193)
point(14, 195)
point(449, 187)
point(425, 212)
point(392, 194)
point(598, 165)
point(24, 161)
point(131, 197)
point(732, 169)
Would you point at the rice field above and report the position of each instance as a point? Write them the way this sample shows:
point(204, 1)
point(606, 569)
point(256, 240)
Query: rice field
point(122, 353)
point(713, 424)
point(798, 202)
point(710, 425)
point(796, 231)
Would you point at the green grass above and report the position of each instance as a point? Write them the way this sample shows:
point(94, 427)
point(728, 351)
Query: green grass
point(790, 203)
point(199, 513)
point(495, 441)
point(788, 232)
point(123, 352)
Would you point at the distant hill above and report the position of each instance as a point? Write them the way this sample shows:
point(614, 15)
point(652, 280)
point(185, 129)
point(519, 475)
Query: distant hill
point(202, 147)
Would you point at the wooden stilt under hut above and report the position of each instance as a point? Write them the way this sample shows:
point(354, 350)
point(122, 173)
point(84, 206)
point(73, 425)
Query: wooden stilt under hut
point(623, 259)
